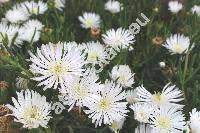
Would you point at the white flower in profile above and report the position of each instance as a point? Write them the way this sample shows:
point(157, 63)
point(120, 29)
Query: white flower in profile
point(143, 128)
point(81, 91)
point(123, 75)
point(109, 107)
point(167, 119)
point(142, 112)
point(34, 7)
point(10, 32)
point(175, 6)
point(170, 96)
point(117, 125)
point(17, 15)
point(178, 44)
point(31, 30)
point(95, 52)
point(59, 4)
point(22, 83)
point(196, 9)
point(53, 66)
point(119, 38)
point(113, 6)
point(31, 109)
point(89, 20)
point(194, 121)
point(131, 97)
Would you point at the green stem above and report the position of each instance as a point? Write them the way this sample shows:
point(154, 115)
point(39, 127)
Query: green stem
point(184, 74)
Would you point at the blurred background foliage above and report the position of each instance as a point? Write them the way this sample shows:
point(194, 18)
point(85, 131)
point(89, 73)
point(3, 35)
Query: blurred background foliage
point(143, 60)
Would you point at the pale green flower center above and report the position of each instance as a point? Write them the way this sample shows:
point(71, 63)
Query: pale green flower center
point(89, 23)
point(92, 56)
point(158, 98)
point(104, 104)
point(32, 114)
point(35, 10)
point(58, 69)
point(178, 48)
point(164, 122)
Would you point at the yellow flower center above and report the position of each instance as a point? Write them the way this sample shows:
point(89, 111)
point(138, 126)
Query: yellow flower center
point(35, 10)
point(89, 23)
point(104, 104)
point(92, 56)
point(178, 48)
point(58, 69)
point(158, 98)
point(32, 114)
point(164, 122)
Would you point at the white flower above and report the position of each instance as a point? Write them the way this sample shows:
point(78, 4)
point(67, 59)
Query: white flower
point(178, 44)
point(55, 66)
point(117, 125)
point(119, 38)
point(59, 4)
point(143, 128)
point(22, 83)
point(131, 97)
point(170, 96)
point(31, 109)
point(113, 6)
point(11, 32)
point(89, 20)
point(95, 52)
point(175, 6)
point(81, 91)
point(167, 120)
point(142, 112)
point(17, 15)
point(123, 75)
point(34, 8)
point(109, 107)
point(194, 121)
point(31, 30)
point(196, 9)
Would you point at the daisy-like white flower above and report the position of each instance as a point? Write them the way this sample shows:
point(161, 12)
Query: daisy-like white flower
point(117, 125)
point(89, 20)
point(175, 6)
point(119, 38)
point(95, 52)
point(55, 66)
point(31, 109)
point(170, 96)
point(17, 15)
point(59, 4)
point(81, 91)
point(143, 128)
point(22, 83)
point(194, 121)
point(167, 120)
point(113, 6)
point(34, 7)
point(131, 97)
point(178, 44)
point(31, 31)
point(196, 9)
point(123, 75)
point(142, 112)
point(109, 107)
point(11, 32)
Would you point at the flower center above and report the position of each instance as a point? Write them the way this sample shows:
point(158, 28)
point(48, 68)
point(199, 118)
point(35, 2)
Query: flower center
point(141, 116)
point(104, 104)
point(89, 23)
point(32, 114)
point(158, 98)
point(57, 69)
point(178, 48)
point(164, 122)
point(92, 56)
point(35, 10)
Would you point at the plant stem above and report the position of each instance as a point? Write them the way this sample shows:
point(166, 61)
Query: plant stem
point(184, 74)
